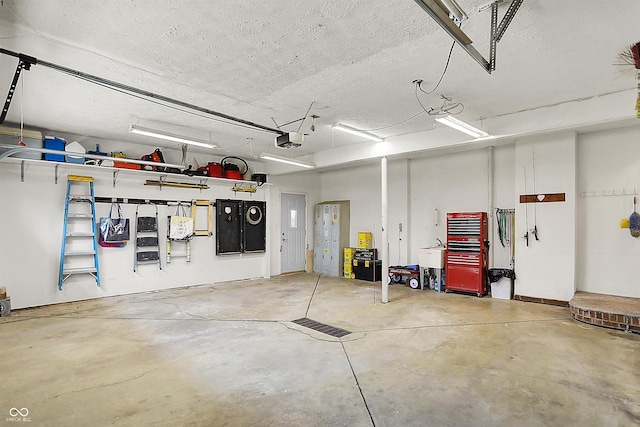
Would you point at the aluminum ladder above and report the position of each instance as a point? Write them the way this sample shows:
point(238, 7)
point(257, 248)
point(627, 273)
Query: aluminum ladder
point(79, 227)
point(148, 238)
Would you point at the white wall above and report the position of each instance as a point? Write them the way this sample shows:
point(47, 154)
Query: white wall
point(399, 210)
point(608, 258)
point(449, 182)
point(307, 183)
point(546, 268)
point(605, 260)
point(504, 189)
point(31, 221)
point(458, 183)
point(361, 185)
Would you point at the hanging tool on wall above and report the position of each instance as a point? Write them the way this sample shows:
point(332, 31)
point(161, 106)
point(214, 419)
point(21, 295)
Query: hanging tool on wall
point(634, 220)
point(631, 56)
point(512, 243)
point(505, 219)
point(535, 208)
point(526, 209)
point(501, 219)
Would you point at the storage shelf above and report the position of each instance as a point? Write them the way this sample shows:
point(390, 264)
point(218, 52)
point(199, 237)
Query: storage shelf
point(115, 172)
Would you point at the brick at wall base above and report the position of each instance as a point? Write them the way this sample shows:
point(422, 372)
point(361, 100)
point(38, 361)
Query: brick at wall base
point(542, 300)
point(617, 321)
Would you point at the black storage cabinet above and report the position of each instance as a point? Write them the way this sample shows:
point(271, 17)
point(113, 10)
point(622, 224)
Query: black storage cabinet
point(366, 265)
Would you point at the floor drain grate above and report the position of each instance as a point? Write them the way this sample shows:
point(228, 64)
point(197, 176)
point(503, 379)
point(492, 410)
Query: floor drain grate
point(321, 327)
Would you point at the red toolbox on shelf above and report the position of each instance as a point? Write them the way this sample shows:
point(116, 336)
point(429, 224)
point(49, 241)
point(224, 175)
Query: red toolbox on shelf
point(467, 252)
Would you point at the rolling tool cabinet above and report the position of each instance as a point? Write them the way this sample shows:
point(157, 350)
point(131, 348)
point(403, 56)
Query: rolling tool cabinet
point(467, 252)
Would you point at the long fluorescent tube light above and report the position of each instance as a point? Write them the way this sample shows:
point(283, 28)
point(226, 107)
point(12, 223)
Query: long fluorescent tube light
point(462, 126)
point(357, 132)
point(274, 158)
point(170, 137)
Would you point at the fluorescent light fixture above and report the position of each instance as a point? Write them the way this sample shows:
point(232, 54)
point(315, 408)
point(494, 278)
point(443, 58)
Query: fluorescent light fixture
point(462, 126)
point(287, 160)
point(357, 132)
point(170, 137)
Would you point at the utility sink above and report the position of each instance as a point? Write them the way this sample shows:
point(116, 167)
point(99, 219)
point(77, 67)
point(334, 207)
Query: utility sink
point(432, 257)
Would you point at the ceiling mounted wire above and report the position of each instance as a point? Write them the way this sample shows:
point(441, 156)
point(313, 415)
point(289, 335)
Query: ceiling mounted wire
point(301, 120)
point(305, 117)
point(447, 107)
point(395, 124)
point(441, 77)
point(418, 84)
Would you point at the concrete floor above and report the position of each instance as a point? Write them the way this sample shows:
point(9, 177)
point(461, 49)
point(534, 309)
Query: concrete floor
point(229, 355)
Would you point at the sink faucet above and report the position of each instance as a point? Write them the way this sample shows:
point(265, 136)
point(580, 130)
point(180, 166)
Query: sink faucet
point(440, 242)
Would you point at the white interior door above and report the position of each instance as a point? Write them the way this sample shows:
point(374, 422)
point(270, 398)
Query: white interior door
point(293, 232)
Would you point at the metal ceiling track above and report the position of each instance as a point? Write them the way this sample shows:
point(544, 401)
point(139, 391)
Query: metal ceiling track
point(438, 11)
point(22, 64)
point(25, 62)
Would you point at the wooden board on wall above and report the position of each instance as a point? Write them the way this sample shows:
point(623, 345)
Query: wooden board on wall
point(542, 198)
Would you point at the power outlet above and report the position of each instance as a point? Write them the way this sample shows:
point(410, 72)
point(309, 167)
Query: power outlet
point(400, 227)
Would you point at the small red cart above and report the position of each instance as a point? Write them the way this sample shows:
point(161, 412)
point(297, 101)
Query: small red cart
point(409, 274)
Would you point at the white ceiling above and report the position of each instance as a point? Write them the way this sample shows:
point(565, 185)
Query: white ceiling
point(355, 61)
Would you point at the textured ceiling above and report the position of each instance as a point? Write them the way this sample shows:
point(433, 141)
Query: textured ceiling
point(265, 61)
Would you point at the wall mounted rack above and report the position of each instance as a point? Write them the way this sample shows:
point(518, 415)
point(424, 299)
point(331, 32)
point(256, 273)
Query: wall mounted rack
point(162, 182)
point(131, 201)
point(250, 188)
point(609, 193)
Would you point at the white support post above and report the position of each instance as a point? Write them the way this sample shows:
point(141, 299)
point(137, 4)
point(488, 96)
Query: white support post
point(384, 277)
point(267, 219)
point(490, 203)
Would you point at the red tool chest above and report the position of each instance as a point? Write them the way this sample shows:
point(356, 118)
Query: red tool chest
point(467, 252)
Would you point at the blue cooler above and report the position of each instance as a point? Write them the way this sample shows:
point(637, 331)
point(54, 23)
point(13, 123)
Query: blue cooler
point(54, 143)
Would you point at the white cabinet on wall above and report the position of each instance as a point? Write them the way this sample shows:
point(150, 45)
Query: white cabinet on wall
point(331, 236)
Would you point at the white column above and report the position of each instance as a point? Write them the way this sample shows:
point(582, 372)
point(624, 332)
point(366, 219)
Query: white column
point(385, 238)
point(267, 259)
point(490, 203)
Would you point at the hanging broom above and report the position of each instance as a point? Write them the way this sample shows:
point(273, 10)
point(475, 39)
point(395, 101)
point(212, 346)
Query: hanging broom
point(631, 56)
point(635, 51)
point(634, 220)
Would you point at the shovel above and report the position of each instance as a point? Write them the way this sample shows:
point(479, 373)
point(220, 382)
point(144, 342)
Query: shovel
point(634, 220)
